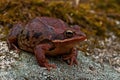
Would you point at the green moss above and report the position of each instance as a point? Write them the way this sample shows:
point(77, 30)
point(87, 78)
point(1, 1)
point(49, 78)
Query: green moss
point(96, 23)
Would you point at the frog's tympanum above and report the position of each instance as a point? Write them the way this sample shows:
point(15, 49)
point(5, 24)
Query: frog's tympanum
point(45, 36)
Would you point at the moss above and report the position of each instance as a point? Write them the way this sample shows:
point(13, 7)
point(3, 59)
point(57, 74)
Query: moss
point(96, 17)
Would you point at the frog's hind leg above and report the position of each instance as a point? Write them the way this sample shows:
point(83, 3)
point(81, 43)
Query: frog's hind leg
point(12, 38)
point(13, 45)
point(40, 51)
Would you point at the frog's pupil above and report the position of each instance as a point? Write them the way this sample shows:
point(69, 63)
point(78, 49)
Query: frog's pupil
point(69, 33)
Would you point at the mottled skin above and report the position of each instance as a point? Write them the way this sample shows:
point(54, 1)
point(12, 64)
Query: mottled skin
point(47, 36)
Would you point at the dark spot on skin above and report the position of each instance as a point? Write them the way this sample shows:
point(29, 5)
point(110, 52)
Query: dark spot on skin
point(27, 35)
point(32, 30)
point(37, 34)
point(52, 48)
point(59, 37)
point(45, 41)
point(34, 42)
point(21, 31)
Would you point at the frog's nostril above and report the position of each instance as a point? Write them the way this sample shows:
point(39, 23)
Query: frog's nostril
point(83, 36)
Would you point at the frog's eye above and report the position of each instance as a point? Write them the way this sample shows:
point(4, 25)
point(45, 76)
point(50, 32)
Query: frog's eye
point(69, 33)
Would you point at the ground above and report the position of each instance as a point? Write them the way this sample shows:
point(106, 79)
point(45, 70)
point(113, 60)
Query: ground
point(23, 66)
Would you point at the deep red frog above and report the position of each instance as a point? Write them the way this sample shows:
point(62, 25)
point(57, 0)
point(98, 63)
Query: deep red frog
point(47, 36)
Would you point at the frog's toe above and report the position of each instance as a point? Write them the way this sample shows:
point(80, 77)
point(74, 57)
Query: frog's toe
point(48, 66)
point(71, 60)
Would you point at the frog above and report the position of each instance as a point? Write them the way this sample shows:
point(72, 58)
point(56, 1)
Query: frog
point(47, 36)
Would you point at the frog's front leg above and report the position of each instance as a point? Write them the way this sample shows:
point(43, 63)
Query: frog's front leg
point(40, 51)
point(72, 57)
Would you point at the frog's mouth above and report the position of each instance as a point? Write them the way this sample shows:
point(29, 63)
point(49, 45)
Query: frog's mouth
point(71, 40)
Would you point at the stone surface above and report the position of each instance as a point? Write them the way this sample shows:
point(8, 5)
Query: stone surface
point(24, 66)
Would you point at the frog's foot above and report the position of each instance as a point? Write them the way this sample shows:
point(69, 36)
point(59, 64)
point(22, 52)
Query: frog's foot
point(17, 50)
point(12, 46)
point(48, 66)
point(71, 58)
point(44, 63)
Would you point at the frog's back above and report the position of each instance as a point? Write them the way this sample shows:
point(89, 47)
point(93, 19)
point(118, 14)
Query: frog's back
point(34, 33)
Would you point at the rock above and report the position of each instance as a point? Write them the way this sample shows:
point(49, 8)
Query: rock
point(24, 66)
